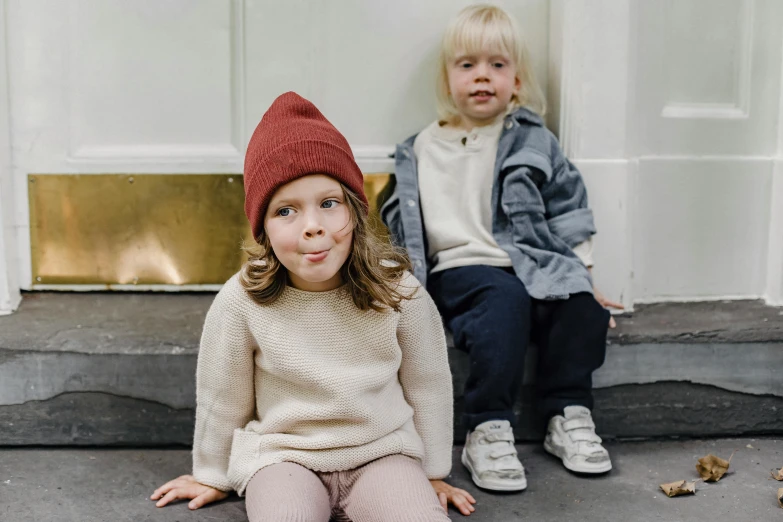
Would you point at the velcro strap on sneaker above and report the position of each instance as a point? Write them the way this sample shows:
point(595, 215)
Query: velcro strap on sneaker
point(579, 423)
point(505, 436)
point(499, 454)
point(584, 436)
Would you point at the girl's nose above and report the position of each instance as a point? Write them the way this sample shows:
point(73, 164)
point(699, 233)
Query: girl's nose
point(313, 228)
point(314, 232)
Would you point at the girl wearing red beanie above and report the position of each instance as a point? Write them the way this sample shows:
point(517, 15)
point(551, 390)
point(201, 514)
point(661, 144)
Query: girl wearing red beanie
point(323, 386)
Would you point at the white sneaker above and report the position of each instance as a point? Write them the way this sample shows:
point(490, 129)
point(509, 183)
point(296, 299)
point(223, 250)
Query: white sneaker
point(490, 456)
point(572, 438)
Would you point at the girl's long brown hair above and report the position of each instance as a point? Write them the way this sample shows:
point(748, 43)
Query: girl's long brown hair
point(373, 271)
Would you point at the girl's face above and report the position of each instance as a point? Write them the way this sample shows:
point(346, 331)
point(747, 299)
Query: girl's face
point(309, 227)
point(482, 85)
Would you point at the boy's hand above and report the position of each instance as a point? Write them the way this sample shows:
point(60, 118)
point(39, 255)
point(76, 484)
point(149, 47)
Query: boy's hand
point(606, 303)
point(447, 494)
point(187, 487)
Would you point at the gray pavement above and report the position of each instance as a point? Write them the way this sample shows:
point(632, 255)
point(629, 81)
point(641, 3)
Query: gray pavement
point(101, 484)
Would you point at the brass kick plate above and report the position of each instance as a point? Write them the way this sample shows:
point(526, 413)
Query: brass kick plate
point(140, 229)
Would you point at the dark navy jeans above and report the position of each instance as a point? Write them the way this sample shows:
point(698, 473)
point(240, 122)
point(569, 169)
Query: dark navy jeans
point(493, 319)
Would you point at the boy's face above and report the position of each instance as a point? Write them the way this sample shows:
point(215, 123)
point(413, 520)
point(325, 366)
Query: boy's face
point(482, 85)
point(309, 227)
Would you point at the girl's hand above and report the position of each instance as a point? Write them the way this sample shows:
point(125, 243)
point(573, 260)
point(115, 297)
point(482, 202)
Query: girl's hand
point(606, 303)
point(187, 487)
point(461, 499)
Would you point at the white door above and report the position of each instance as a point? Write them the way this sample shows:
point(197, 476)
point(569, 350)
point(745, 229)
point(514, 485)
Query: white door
point(706, 124)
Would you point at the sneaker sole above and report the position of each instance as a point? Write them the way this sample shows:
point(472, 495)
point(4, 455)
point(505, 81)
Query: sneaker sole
point(577, 468)
point(517, 486)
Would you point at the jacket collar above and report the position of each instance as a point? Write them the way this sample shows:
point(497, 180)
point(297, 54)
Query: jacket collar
point(524, 115)
point(520, 116)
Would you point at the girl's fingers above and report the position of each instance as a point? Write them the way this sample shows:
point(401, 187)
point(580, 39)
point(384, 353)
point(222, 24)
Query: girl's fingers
point(176, 494)
point(612, 323)
point(444, 501)
point(208, 497)
point(201, 500)
point(170, 496)
point(162, 490)
point(168, 486)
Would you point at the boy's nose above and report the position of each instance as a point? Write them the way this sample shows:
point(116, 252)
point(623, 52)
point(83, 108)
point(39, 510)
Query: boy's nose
point(482, 72)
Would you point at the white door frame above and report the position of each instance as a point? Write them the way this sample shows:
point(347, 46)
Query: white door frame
point(774, 290)
point(593, 126)
point(9, 277)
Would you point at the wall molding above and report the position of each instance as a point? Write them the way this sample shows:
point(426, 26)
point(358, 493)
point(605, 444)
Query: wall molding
point(697, 298)
point(222, 154)
point(706, 111)
point(156, 153)
point(374, 159)
point(740, 108)
point(127, 288)
point(165, 159)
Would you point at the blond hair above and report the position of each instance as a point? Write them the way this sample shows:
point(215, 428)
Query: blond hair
point(373, 271)
point(481, 27)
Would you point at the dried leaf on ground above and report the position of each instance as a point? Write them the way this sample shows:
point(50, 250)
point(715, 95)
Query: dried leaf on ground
point(777, 475)
point(681, 487)
point(712, 468)
point(780, 497)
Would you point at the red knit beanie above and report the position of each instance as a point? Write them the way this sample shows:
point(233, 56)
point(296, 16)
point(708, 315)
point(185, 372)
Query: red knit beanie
point(293, 140)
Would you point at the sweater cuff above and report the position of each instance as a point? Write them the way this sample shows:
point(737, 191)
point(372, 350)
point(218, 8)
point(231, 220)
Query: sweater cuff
point(584, 251)
point(219, 485)
point(438, 470)
point(438, 476)
point(213, 479)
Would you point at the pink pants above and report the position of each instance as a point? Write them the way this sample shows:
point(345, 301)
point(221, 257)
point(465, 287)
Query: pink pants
point(392, 488)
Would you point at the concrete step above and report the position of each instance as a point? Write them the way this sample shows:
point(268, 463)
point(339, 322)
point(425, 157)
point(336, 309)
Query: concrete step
point(101, 484)
point(118, 369)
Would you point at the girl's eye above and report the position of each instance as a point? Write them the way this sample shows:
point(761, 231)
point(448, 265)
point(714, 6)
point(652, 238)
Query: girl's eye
point(284, 212)
point(498, 65)
point(466, 65)
point(329, 203)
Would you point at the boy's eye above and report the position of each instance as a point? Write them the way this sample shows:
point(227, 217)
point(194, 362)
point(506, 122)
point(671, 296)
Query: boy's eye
point(284, 212)
point(329, 203)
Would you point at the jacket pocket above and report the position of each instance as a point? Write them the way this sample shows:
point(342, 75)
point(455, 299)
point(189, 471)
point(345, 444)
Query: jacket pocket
point(538, 165)
point(524, 207)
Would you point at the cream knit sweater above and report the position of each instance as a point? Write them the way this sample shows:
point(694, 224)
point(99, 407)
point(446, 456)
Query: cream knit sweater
point(312, 379)
point(456, 169)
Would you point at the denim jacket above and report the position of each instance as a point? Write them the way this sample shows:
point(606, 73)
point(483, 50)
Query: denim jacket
point(539, 209)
